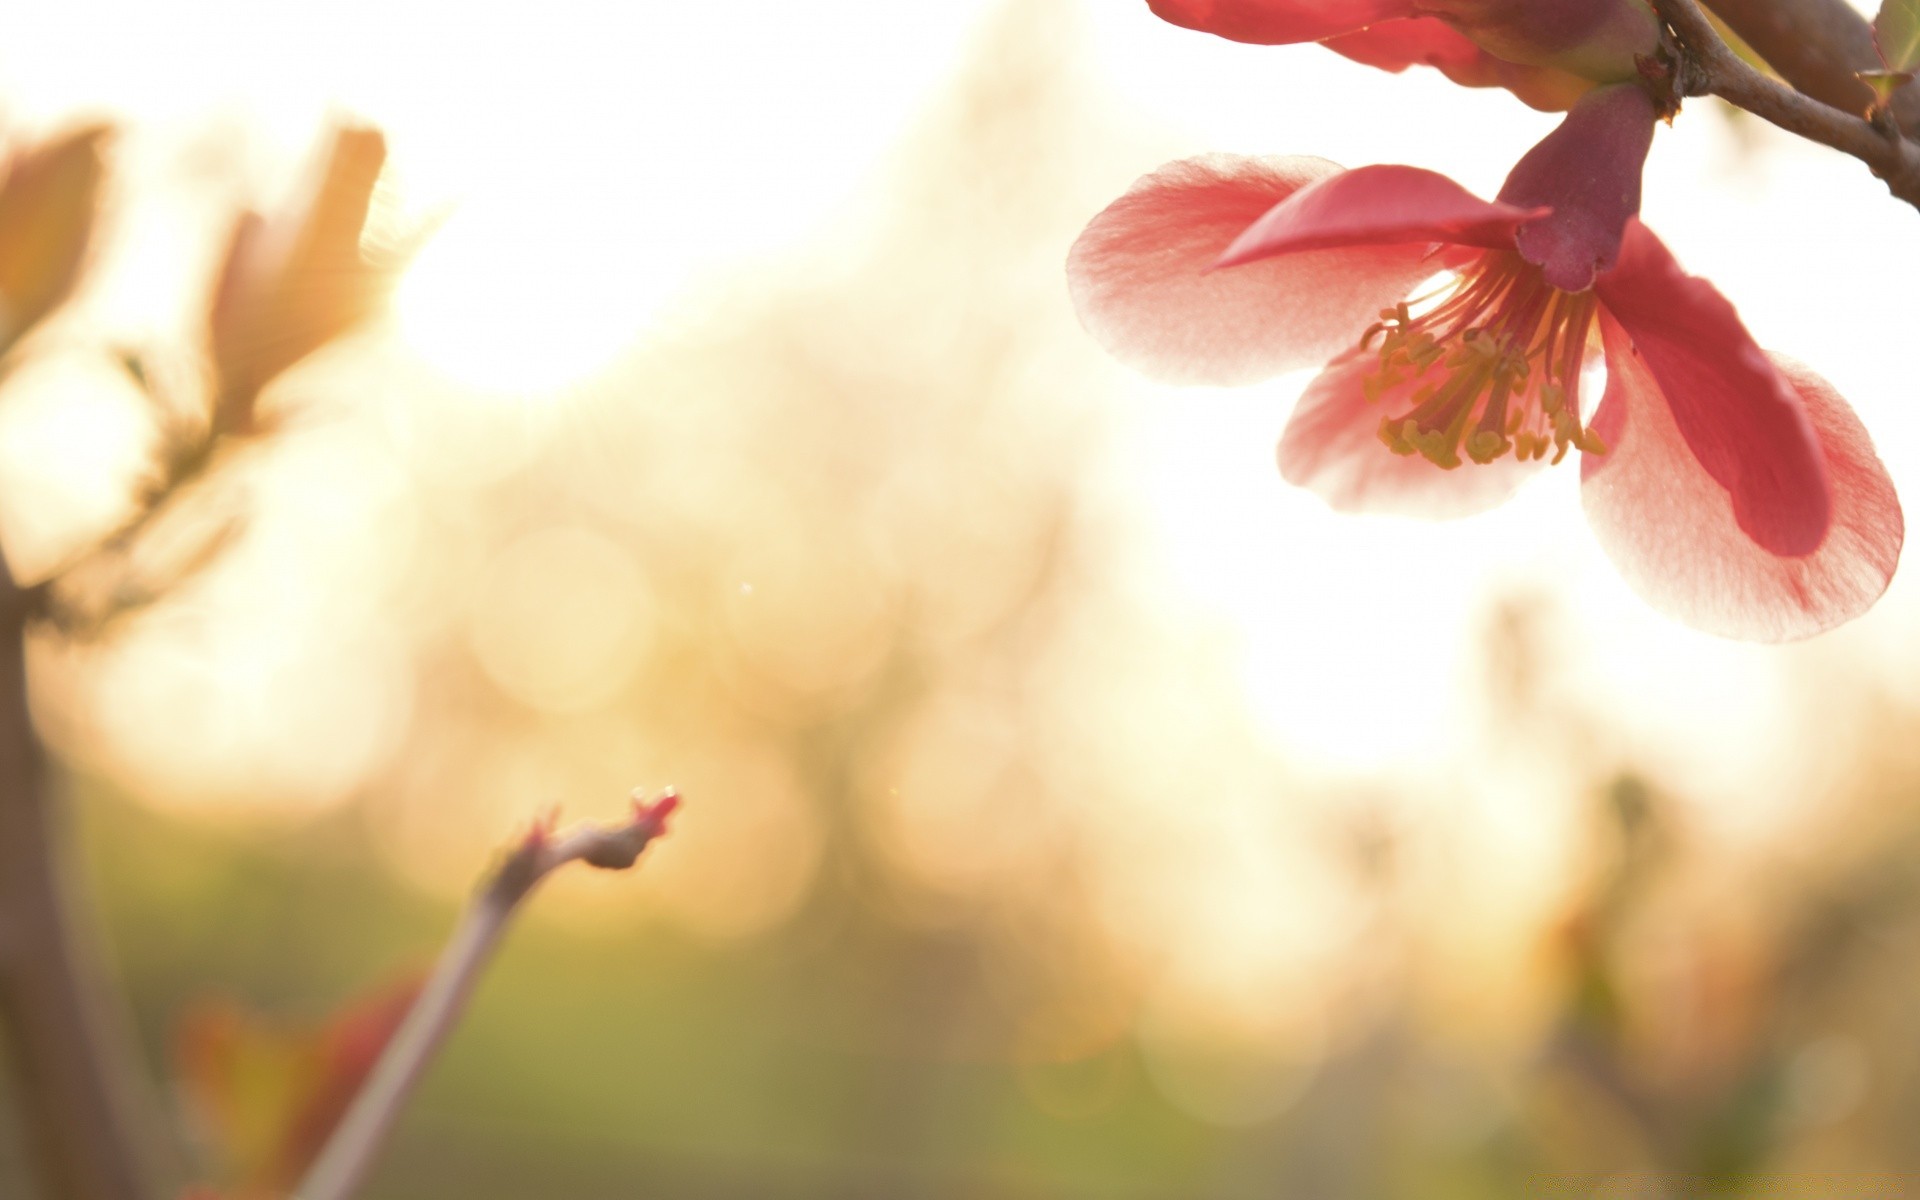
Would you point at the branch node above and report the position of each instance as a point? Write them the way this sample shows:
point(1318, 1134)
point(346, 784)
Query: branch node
point(1874, 140)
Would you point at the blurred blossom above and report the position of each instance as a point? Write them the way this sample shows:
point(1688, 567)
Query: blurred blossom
point(49, 198)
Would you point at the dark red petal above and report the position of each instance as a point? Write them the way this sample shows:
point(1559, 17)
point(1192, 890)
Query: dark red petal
point(1602, 40)
point(1425, 41)
point(1278, 22)
point(1139, 276)
point(1672, 531)
point(1588, 172)
point(1383, 205)
point(1332, 448)
point(1741, 419)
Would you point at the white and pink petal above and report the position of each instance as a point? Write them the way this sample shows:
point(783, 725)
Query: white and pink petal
point(1279, 22)
point(1674, 531)
point(1385, 205)
point(1740, 419)
point(1140, 276)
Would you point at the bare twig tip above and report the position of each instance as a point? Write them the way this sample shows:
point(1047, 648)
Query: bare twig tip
point(656, 812)
point(342, 1165)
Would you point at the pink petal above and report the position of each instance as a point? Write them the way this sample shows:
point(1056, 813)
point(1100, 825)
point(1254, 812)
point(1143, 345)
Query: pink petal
point(1741, 419)
point(1332, 448)
point(1672, 530)
point(1603, 40)
point(1381, 205)
point(1278, 22)
point(1426, 41)
point(1588, 172)
point(1139, 276)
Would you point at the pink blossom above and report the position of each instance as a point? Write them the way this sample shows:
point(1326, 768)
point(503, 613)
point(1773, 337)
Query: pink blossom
point(1733, 489)
point(1547, 52)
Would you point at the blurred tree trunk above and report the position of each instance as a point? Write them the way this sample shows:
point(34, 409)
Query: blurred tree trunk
point(70, 1069)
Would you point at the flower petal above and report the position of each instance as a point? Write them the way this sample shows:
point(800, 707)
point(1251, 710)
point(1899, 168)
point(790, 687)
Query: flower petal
point(1741, 419)
point(1588, 172)
point(1332, 448)
point(1139, 277)
point(1602, 40)
point(1278, 22)
point(1427, 41)
point(1672, 530)
point(1380, 205)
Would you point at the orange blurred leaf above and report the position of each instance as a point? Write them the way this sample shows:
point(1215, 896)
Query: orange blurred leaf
point(298, 280)
point(48, 199)
point(269, 1094)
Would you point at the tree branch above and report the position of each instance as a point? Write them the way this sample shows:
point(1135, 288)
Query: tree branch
point(84, 594)
point(1709, 66)
point(1817, 45)
point(349, 1153)
point(72, 1064)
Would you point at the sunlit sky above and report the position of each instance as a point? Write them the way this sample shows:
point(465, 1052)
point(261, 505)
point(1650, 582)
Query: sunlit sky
point(598, 167)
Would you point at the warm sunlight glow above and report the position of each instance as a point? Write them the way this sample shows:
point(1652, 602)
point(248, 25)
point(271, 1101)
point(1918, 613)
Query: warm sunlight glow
point(711, 397)
point(511, 299)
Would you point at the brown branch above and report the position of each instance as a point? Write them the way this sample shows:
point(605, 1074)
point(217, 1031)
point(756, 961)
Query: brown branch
point(72, 1065)
point(1709, 66)
point(343, 1164)
point(1817, 45)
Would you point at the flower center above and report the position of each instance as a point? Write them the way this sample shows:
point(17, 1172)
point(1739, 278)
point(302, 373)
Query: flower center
point(1494, 364)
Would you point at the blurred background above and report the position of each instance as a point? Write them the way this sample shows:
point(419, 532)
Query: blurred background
point(1074, 810)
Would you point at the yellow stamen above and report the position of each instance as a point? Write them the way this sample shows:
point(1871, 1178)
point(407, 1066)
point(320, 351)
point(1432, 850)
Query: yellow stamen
point(1496, 367)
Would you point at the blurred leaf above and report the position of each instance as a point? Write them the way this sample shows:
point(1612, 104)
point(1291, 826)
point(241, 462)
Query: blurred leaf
point(47, 206)
point(269, 1094)
point(298, 280)
point(1896, 31)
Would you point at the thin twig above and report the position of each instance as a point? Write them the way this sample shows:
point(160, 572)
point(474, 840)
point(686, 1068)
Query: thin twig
point(187, 456)
point(350, 1152)
point(1709, 66)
